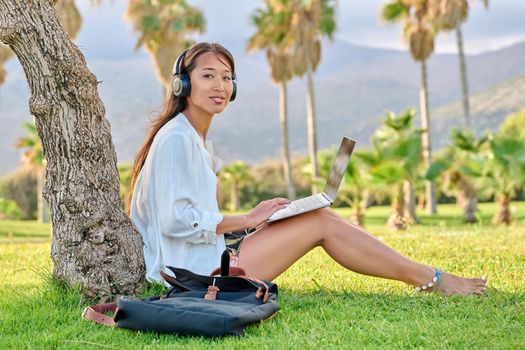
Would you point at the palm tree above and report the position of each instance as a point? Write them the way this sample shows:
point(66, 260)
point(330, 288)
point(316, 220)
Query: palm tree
point(271, 25)
point(460, 166)
point(295, 28)
point(34, 159)
point(399, 141)
point(386, 178)
point(394, 165)
point(450, 15)
point(357, 181)
point(419, 31)
point(5, 54)
point(356, 186)
point(164, 27)
point(503, 173)
point(311, 20)
point(235, 174)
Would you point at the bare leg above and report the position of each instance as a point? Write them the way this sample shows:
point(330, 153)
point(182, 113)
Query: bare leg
point(284, 242)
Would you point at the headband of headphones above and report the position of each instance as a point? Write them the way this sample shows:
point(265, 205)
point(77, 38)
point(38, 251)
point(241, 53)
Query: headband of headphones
point(181, 85)
point(176, 66)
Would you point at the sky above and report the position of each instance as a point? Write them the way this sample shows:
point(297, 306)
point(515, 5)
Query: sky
point(358, 22)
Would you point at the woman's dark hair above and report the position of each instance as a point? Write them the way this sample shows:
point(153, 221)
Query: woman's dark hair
point(174, 105)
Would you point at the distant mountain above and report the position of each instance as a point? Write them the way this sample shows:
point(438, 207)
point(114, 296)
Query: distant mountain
point(354, 87)
point(489, 108)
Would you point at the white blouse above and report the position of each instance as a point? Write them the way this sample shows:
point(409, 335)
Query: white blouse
point(174, 203)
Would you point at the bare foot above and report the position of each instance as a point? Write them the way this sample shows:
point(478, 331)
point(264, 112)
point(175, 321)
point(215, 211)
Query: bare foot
point(452, 284)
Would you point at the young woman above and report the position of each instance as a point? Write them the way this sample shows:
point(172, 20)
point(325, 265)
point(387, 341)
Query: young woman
point(174, 203)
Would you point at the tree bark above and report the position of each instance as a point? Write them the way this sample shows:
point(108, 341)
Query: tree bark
point(463, 75)
point(283, 119)
point(94, 243)
point(469, 204)
point(358, 217)
point(310, 117)
point(466, 196)
point(397, 220)
point(503, 214)
point(425, 135)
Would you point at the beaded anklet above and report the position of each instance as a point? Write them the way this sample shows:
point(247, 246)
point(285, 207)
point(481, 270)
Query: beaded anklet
point(436, 278)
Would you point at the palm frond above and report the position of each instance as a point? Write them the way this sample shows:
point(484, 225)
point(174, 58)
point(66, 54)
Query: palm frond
point(394, 11)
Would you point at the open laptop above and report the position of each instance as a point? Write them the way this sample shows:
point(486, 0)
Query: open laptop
point(327, 197)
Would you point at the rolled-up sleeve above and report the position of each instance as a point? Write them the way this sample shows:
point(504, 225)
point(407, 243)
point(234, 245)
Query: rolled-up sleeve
point(180, 215)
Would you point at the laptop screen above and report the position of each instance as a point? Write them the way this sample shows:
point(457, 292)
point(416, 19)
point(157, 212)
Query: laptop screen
point(339, 167)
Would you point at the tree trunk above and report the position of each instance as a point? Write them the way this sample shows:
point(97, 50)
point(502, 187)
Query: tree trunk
point(425, 135)
point(503, 214)
point(397, 220)
point(410, 203)
point(366, 200)
point(358, 217)
point(94, 243)
point(467, 199)
point(283, 119)
point(463, 75)
point(310, 117)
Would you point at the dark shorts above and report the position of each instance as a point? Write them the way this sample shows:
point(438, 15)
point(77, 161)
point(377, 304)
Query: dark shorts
point(234, 239)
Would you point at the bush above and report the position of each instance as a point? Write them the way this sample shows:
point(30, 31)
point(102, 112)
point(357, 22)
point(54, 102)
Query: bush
point(21, 187)
point(514, 125)
point(9, 210)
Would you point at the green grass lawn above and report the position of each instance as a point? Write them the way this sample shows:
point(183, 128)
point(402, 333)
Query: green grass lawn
point(16, 231)
point(323, 306)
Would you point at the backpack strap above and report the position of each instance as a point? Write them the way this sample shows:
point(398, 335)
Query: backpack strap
point(226, 269)
point(260, 291)
point(96, 313)
point(234, 272)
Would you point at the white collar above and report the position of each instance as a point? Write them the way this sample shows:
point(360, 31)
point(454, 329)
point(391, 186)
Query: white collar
point(207, 146)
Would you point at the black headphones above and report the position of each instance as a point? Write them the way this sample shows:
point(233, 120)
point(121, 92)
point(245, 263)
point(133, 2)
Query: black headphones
point(181, 85)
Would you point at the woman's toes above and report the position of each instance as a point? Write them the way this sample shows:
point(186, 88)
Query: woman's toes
point(480, 286)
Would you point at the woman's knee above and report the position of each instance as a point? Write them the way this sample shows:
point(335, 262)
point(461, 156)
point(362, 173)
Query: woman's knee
point(327, 214)
point(326, 221)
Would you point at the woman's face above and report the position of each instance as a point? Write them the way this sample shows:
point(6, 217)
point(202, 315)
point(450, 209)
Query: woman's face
point(211, 84)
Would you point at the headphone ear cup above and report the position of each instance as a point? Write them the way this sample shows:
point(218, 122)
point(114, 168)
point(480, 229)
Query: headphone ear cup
point(234, 91)
point(181, 85)
point(176, 85)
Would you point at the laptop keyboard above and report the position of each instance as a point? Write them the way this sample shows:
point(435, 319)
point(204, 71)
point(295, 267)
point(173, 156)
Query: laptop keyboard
point(308, 203)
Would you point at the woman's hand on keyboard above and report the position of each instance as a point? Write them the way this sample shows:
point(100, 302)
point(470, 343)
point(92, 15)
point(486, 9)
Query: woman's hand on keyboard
point(264, 210)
